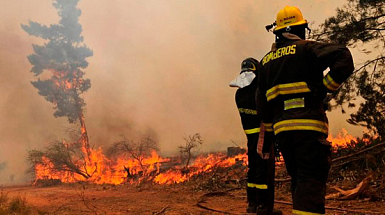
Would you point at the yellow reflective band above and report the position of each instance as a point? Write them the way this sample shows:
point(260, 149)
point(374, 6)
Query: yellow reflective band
point(301, 124)
point(294, 103)
point(258, 186)
point(330, 83)
point(247, 111)
point(285, 89)
point(252, 131)
point(298, 212)
point(268, 127)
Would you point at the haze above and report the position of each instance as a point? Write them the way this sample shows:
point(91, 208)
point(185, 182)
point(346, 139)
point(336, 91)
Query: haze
point(160, 68)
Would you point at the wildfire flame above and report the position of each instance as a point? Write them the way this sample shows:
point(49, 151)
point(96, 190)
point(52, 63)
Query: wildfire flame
point(343, 139)
point(102, 170)
point(201, 164)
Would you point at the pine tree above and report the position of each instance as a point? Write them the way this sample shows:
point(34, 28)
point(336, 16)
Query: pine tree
point(63, 56)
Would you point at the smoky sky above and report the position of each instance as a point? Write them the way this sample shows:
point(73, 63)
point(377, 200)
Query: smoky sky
point(159, 68)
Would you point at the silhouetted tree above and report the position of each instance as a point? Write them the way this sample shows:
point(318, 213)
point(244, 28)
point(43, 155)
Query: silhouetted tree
point(137, 150)
point(192, 142)
point(359, 23)
point(61, 157)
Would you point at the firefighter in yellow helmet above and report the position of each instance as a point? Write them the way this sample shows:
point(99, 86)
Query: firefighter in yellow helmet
point(290, 95)
point(261, 163)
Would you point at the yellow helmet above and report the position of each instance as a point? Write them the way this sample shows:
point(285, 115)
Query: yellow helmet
point(289, 16)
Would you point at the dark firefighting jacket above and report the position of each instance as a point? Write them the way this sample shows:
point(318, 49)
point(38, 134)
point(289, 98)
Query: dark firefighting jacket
point(251, 121)
point(245, 100)
point(292, 84)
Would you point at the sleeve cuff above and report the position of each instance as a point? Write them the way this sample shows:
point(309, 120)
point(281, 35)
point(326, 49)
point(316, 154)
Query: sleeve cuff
point(330, 84)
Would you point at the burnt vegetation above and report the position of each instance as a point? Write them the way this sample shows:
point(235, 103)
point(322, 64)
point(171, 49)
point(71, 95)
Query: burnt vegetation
point(136, 150)
point(362, 158)
point(191, 147)
point(60, 157)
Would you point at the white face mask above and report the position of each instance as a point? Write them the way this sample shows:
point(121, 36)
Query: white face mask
point(244, 79)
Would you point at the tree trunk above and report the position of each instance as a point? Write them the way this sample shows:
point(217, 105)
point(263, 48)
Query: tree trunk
point(83, 130)
point(84, 136)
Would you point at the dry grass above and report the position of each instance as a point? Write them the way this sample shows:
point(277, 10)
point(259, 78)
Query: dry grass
point(16, 205)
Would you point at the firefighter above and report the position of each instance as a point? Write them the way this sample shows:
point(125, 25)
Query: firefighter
point(291, 92)
point(260, 175)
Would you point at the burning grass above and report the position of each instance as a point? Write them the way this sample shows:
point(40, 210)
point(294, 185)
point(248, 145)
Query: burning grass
point(125, 162)
point(128, 170)
point(130, 162)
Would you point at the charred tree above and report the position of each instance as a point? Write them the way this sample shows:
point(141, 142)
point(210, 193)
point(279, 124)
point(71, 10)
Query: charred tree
point(137, 150)
point(62, 157)
point(192, 142)
point(61, 160)
point(62, 59)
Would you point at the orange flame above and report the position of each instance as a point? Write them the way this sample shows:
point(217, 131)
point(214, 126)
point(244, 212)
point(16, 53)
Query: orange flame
point(201, 164)
point(101, 170)
point(343, 139)
point(97, 168)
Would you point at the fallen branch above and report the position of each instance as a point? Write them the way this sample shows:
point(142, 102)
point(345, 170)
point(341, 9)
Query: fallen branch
point(357, 153)
point(161, 211)
point(354, 159)
point(352, 193)
point(334, 208)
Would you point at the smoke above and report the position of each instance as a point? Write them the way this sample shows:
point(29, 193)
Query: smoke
point(159, 68)
point(177, 59)
point(26, 121)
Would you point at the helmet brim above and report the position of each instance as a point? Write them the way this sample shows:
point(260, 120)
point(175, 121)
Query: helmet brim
point(302, 22)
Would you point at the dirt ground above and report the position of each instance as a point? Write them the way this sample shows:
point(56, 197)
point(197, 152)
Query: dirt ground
point(157, 199)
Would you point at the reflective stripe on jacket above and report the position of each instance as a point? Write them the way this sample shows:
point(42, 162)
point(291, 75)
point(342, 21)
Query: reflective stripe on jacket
point(292, 85)
point(247, 107)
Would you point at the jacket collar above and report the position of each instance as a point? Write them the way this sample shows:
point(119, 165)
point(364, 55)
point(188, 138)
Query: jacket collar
point(288, 36)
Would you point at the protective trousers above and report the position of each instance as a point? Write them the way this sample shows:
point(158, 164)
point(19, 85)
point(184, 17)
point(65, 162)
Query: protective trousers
point(308, 159)
point(260, 177)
